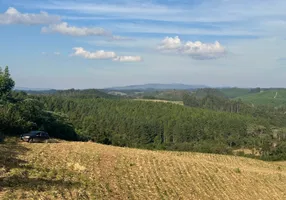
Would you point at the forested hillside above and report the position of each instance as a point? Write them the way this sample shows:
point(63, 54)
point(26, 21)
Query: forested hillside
point(275, 116)
point(235, 92)
point(88, 93)
point(168, 126)
point(209, 122)
point(169, 95)
point(201, 93)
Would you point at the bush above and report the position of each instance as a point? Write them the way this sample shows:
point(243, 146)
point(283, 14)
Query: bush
point(11, 140)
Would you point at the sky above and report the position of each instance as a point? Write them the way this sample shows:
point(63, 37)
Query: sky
point(65, 44)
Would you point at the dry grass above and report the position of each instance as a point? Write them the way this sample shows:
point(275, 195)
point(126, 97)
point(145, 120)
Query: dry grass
point(246, 151)
point(73, 170)
point(161, 101)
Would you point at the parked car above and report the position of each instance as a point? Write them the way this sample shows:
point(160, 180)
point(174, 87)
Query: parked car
point(35, 136)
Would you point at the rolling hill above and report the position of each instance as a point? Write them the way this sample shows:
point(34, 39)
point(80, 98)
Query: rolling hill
point(157, 86)
point(87, 93)
point(273, 97)
point(161, 101)
point(32, 89)
point(76, 170)
point(234, 92)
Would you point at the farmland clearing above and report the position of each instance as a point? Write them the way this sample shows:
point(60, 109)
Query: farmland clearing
point(78, 170)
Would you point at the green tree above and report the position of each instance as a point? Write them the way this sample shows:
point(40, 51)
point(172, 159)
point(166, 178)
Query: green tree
point(6, 83)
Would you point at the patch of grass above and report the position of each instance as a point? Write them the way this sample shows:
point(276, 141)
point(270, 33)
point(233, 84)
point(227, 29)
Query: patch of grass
point(11, 140)
point(237, 170)
point(52, 140)
point(161, 101)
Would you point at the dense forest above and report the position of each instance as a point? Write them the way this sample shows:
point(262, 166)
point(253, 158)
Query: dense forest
point(168, 126)
point(208, 122)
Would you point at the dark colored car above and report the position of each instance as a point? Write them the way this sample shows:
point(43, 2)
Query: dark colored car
point(35, 136)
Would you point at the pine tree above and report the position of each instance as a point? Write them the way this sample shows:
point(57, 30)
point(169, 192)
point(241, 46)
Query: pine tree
point(6, 83)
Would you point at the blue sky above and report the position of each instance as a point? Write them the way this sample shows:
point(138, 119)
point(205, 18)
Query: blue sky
point(96, 44)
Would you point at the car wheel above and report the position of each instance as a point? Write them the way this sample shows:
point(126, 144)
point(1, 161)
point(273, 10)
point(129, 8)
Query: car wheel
point(30, 140)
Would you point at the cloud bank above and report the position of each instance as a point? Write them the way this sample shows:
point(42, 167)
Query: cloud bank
point(13, 16)
point(196, 50)
point(101, 55)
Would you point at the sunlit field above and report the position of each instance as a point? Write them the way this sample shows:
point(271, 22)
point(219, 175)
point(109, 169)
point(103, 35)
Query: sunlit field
point(77, 170)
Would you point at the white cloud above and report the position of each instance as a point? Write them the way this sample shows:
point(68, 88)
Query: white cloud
point(202, 51)
point(57, 53)
point(128, 58)
point(101, 54)
point(65, 29)
point(170, 43)
point(79, 51)
point(44, 53)
point(13, 16)
point(197, 50)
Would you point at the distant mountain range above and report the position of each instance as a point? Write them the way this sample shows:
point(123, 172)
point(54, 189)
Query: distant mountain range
point(157, 86)
point(32, 89)
point(154, 86)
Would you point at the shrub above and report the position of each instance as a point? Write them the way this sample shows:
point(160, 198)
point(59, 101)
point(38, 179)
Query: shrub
point(237, 170)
